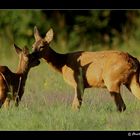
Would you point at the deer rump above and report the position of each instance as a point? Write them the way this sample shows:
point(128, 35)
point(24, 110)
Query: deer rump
point(107, 69)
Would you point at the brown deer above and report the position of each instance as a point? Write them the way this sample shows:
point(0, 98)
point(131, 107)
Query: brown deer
point(83, 69)
point(15, 82)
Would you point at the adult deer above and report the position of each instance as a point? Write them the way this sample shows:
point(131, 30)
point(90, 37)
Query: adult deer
point(15, 82)
point(84, 69)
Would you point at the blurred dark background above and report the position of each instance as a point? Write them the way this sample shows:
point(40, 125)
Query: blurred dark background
point(74, 30)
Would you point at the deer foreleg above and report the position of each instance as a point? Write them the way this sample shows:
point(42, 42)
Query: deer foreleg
point(77, 101)
point(79, 91)
point(3, 95)
point(18, 97)
point(7, 102)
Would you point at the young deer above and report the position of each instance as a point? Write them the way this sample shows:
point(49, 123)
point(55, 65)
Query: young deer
point(84, 69)
point(15, 82)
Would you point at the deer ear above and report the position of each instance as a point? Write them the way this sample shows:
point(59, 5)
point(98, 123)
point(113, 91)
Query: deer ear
point(26, 50)
point(18, 50)
point(49, 36)
point(36, 34)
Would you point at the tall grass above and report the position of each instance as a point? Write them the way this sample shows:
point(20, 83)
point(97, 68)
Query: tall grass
point(46, 105)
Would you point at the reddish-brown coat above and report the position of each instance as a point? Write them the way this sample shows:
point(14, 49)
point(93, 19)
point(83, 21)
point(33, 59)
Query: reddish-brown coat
point(84, 69)
point(11, 81)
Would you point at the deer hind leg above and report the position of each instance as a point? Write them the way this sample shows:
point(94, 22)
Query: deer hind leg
point(114, 89)
point(118, 101)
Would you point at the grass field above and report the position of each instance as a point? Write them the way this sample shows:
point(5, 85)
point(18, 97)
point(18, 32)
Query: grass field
point(46, 105)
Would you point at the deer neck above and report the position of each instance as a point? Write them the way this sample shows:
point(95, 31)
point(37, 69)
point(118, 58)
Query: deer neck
point(22, 72)
point(20, 78)
point(55, 59)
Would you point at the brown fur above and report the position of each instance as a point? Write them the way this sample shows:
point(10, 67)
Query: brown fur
point(83, 69)
point(11, 81)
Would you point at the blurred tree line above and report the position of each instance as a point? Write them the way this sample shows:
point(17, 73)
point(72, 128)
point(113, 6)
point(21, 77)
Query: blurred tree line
point(73, 29)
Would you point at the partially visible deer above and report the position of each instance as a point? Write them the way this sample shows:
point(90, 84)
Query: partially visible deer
point(15, 82)
point(84, 69)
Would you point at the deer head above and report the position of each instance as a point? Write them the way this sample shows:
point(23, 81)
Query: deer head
point(41, 44)
point(26, 60)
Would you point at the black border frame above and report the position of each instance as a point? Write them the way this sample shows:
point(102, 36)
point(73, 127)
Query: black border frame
point(68, 5)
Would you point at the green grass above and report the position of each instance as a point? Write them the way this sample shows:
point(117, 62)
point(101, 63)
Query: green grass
point(46, 105)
